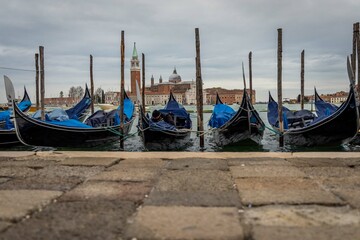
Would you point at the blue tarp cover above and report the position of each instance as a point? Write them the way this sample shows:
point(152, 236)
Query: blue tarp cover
point(162, 125)
point(221, 114)
point(324, 109)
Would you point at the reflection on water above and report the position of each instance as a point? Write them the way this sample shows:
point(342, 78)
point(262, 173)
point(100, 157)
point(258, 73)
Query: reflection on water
point(269, 143)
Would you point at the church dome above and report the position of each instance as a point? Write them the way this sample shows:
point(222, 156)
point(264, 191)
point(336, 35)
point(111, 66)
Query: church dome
point(174, 77)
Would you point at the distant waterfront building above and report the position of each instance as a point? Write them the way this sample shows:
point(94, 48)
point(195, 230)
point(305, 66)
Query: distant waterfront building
point(227, 96)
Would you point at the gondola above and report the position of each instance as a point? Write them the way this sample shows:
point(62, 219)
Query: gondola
point(100, 128)
point(161, 135)
point(7, 132)
point(241, 127)
point(305, 129)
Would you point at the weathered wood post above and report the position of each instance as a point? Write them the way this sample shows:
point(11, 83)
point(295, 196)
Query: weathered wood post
point(279, 88)
point(358, 55)
point(353, 56)
point(302, 97)
point(42, 82)
point(250, 77)
point(199, 90)
point(122, 91)
point(37, 81)
point(92, 84)
point(143, 83)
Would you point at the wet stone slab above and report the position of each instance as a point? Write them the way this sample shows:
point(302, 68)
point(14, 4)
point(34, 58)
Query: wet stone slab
point(90, 161)
point(127, 191)
point(200, 199)
point(3, 180)
point(127, 174)
point(75, 220)
point(70, 171)
point(198, 163)
point(34, 163)
point(282, 190)
point(265, 171)
point(15, 204)
point(185, 223)
point(349, 183)
point(193, 180)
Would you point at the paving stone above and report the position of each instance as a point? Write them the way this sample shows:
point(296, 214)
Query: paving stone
point(127, 191)
point(15, 154)
point(198, 163)
point(265, 161)
point(301, 216)
point(16, 172)
point(74, 220)
point(185, 223)
point(340, 182)
point(193, 180)
point(3, 226)
point(350, 196)
point(70, 171)
point(305, 233)
point(330, 171)
point(201, 199)
point(2, 179)
point(318, 162)
point(17, 203)
point(128, 174)
point(272, 190)
point(90, 161)
point(57, 183)
point(140, 163)
point(265, 171)
point(34, 163)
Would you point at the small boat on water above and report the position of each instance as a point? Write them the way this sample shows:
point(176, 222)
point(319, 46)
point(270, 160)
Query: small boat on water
point(58, 131)
point(303, 128)
point(160, 133)
point(241, 127)
point(7, 132)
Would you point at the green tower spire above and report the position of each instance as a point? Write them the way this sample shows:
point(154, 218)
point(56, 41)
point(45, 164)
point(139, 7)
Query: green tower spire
point(135, 54)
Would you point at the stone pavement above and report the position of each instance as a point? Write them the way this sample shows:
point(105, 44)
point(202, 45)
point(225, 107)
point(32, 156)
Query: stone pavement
point(181, 195)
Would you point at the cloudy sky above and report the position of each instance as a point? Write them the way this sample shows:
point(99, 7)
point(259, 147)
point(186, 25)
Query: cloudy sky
point(164, 31)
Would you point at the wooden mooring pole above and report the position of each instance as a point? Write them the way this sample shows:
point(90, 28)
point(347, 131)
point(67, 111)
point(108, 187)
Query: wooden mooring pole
point(122, 91)
point(358, 54)
point(302, 74)
point(37, 81)
point(199, 91)
point(250, 77)
point(42, 82)
point(279, 88)
point(143, 83)
point(353, 55)
point(92, 84)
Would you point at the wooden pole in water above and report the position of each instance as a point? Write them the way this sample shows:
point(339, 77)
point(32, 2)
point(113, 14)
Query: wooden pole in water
point(122, 91)
point(353, 56)
point(143, 83)
point(279, 87)
point(92, 84)
point(358, 54)
point(302, 79)
point(42, 82)
point(37, 81)
point(250, 77)
point(199, 90)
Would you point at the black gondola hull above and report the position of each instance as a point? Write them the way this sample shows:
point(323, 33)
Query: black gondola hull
point(8, 138)
point(158, 140)
point(37, 133)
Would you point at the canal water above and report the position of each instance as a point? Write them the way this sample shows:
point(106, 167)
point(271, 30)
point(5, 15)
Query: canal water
point(269, 143)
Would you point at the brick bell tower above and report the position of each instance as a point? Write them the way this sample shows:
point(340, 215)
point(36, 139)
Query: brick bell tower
point(135, 71)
